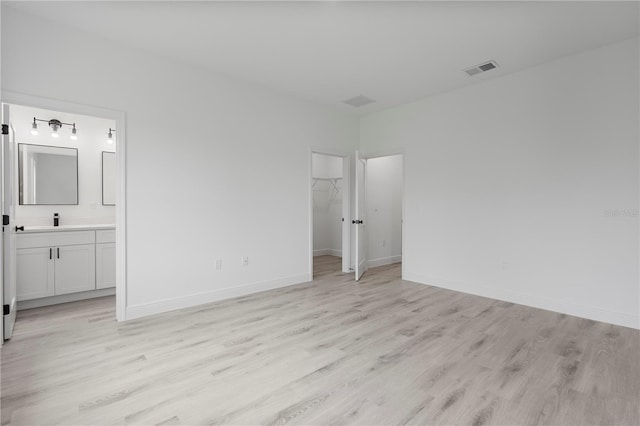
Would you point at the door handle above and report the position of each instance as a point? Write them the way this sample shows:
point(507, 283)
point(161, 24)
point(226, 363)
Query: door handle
point(50, 253)
point(19, 228)
point(58, 252)
point(357, 222)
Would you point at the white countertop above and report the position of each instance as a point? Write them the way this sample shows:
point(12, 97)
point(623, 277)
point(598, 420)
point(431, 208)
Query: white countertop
point(51, 228)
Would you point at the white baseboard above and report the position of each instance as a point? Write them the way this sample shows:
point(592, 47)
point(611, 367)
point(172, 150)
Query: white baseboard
point(139, 311)
point(385, 261)
point(327, 252)
point(564, 307)
point(65, 298)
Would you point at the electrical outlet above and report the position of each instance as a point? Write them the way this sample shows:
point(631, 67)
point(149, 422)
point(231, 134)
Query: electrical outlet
point(218, 264)
point(384, 243)
point(244, 260)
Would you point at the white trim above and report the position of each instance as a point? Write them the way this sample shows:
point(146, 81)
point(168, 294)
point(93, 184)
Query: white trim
point(167, 305)
point(382, 153)
point(362, 267)
point(310, 200)
point(385, 261)
point(327, 252)
point(121, 176)
point(65, 298)
point(561, 306)
point(346, 212)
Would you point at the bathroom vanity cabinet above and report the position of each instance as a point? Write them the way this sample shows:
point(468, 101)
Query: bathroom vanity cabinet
point(62, 262)
point(105, 258)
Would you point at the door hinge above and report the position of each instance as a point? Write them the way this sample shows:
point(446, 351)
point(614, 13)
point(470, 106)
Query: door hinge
point(5, 129)
point(5, 219)
point(6, 310)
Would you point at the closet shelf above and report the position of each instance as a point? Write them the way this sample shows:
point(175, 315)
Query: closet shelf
point(334, 186)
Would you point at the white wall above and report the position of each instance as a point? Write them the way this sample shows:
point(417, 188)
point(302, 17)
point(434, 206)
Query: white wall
point(327, 205)
point(384, 210)
point(238, 189)
point(525, 188)
point(91, 142)
point(326, 166)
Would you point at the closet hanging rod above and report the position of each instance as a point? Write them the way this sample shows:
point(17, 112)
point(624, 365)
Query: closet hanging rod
point(333, 181)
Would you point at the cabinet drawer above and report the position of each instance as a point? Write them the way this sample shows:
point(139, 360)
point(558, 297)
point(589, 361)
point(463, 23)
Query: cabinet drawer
point(54, 239)
point(106, 236)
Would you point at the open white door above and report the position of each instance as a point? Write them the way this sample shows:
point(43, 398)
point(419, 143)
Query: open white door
point(359, 222)
point(10, 304)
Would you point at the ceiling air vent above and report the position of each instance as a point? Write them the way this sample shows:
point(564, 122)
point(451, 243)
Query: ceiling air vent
point(359, 101)
point(479, 69)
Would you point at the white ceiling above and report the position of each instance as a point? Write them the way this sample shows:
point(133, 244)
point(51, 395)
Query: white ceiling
point(327, 52)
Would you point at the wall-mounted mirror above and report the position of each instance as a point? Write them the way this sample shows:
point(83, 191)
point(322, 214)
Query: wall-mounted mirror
point(108, 178)
point(47, 175)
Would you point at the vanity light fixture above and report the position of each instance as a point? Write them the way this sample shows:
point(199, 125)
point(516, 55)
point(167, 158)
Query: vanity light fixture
point(55, 126)
point(34, 127)
point(110, 135)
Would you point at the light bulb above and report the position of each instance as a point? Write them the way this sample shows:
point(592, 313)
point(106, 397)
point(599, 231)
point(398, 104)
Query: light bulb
point(109, 137)
point(55, 125)
point(34, 128)
point(74, 133)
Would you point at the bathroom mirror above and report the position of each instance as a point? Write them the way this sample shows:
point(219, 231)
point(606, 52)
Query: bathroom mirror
point(47, 175)
point(108, 178)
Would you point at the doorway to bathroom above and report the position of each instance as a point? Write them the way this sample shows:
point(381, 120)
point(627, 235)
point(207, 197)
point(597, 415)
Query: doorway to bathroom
point(330, 214)
point(62, 207)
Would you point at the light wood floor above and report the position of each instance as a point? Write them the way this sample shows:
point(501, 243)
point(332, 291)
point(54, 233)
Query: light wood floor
point(381, 351)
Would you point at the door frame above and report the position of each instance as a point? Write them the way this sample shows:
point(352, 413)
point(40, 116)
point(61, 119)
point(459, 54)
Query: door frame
point(390, 153)
point(121, 175)
point(9, 234)
point(360, 220)
point(346, 205)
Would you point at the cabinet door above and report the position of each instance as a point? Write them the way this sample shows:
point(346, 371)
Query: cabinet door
point(75, 268)
point(34, 273)
point(105, 265)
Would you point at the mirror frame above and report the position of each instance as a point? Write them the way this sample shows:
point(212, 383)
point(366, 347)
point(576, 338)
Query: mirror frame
point(20, 180)
point(102, 177)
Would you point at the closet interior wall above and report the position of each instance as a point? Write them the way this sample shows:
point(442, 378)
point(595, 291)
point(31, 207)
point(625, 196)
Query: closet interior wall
point(327, 187)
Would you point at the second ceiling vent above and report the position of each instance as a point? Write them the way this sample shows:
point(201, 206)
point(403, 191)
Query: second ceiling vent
point(359, 101)
point(479, 69)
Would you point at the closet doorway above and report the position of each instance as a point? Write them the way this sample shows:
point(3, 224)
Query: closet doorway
point(378, 214)
point(330, 206)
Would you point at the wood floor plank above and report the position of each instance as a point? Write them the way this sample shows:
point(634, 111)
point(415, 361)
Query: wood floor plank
point(333, 351)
